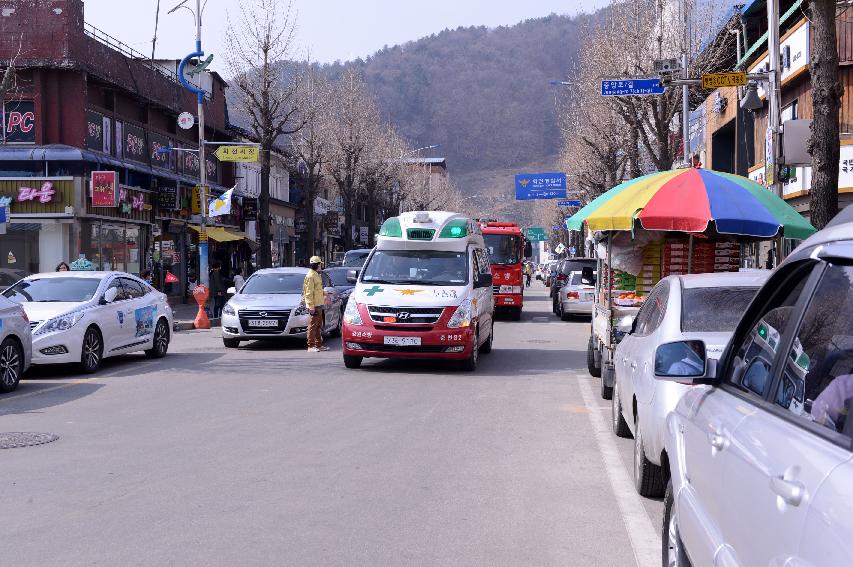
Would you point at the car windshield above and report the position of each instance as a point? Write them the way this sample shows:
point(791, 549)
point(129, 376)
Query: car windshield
point(714, 309)
point(417, 267)
point(274, 283)
point(503, 248)
point(339, 277)
point(355, 258)
point(73, 290)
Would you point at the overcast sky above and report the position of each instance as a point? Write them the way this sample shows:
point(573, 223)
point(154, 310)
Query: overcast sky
point(329, 29)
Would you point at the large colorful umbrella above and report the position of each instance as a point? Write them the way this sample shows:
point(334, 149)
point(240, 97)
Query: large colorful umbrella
point(688, 200)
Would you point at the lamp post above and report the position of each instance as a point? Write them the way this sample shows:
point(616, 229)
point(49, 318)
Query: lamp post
point(202, 165)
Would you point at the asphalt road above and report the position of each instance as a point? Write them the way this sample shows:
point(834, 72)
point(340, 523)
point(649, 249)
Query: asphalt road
point(269, 455)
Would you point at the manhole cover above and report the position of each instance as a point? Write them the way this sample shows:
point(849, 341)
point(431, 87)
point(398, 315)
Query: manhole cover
point(14, 440)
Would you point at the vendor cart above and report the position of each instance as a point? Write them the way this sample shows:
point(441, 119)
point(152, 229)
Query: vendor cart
point(673, 222)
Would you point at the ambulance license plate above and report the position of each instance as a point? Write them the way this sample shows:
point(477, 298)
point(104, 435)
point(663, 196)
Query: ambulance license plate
point(403, 341)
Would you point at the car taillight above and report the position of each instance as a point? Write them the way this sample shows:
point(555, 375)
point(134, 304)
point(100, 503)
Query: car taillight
point(572, 295)
point(24, 315)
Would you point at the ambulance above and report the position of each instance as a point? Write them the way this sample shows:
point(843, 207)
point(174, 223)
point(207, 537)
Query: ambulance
point(425, 291)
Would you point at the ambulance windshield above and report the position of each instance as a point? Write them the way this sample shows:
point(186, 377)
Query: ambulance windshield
point(424, 267)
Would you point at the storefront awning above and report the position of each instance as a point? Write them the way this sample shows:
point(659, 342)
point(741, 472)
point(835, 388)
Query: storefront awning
point(219, 234)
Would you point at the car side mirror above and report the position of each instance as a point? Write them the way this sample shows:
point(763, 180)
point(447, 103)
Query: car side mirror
point(626, 324)
point(231, 290)
point(685, 362)
point(110, 295)
point(528, 250)
point(352, 276)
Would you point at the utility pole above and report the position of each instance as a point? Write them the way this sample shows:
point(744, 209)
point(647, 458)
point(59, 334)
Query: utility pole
point(202, 165)
point(685, 89)
point(774, 127)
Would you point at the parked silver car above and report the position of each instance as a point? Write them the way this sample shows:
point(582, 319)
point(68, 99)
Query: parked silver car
point(703, 307)
point(576, 296)
point(16, 344)
point(269, 306)
point(761, 450)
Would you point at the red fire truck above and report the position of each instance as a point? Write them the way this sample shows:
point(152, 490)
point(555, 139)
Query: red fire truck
point(507, 248)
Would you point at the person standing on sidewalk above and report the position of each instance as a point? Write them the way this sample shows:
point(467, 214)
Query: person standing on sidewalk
point(217, 292)
point(314, 298)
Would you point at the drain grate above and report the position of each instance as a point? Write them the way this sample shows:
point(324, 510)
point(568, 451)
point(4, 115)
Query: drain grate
point(15, 440)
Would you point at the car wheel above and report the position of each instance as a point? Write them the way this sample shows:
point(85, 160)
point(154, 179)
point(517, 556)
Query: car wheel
point(470, 363)
point(594, 371)
point(92, 352)
point(554, 303)
point(337, 330)
point(352, 361)
point(672, 547)
point(231, 343)
point(161, 340)
point(11, 364)
point(487, 346)
point(648, 477)
point(563, 315)
point(618, 423)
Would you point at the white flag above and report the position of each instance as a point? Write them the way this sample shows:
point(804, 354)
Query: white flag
point(221, 205)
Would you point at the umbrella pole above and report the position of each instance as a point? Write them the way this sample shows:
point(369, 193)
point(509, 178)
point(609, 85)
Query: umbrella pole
point(690, 256)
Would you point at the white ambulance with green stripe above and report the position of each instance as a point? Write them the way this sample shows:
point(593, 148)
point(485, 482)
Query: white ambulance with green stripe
point(424, 292)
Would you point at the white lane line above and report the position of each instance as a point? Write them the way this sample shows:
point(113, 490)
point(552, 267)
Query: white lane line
point(644, 539)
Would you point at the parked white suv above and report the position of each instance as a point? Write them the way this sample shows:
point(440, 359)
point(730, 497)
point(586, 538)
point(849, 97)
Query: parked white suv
point(761, 450)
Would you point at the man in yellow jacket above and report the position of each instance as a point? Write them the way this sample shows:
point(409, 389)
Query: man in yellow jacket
point(314, 298)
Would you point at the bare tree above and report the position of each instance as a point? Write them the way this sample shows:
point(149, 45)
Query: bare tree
point(824, 145)
point(382, 171)
point(309, 146)
point(354, 120)
point(259, 46)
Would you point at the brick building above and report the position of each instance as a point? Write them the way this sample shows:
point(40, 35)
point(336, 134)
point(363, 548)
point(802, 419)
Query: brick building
point(85, 102)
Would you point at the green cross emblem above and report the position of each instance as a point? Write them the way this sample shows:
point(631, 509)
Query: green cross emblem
point(373, 291)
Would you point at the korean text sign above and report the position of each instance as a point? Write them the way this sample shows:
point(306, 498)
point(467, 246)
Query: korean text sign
point(540, 186)
point(104, 189)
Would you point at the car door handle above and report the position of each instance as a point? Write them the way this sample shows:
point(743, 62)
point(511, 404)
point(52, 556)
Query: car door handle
point(791, 491)
point(634, 365)
point(717, 441)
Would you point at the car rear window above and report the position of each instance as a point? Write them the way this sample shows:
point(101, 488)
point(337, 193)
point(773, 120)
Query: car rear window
point(576, 265)
point(714, 309)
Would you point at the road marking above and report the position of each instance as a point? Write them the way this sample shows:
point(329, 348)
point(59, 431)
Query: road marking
point(644, 539)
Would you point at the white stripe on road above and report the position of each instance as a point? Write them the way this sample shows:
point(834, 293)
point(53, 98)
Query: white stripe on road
point(644, 539)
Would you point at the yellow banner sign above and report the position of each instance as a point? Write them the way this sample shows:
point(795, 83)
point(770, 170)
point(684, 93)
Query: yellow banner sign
point(237, 153)
point(717, 80)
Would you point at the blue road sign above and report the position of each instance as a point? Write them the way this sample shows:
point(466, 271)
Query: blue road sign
point(556, 227)
point(625, 87)
point(573, 250)
point(569, 203)
point(540, 186)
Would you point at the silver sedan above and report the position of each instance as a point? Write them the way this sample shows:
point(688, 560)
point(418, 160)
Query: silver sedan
point(269, 306)
point(576, 296)
point(703, 307)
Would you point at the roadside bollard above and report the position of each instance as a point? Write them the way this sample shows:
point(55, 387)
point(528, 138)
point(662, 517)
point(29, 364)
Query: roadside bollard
point(201, 293)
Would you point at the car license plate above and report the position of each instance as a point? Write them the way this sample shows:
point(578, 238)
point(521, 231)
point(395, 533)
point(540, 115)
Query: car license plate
point(263, 323)
point(403, 341)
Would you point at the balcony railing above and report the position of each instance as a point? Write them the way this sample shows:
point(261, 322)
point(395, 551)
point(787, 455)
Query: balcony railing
point(117, 45)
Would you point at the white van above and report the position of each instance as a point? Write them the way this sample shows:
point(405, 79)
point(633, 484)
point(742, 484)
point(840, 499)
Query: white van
point(424, 292)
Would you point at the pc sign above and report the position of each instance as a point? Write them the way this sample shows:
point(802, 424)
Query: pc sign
point(540, 186)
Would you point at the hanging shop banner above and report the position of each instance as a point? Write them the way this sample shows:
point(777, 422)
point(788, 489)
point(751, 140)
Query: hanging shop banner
point(104, 189)
point(250, 209)
point(189, 164)
point(159, 142)
point(94, 131)
point(135, 144)
point(19, 122)
point(167, 198)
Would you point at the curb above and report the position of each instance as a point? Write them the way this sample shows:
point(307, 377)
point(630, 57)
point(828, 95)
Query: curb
point(179, 326)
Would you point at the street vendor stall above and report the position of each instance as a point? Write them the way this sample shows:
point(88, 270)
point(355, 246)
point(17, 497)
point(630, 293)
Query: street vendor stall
point(684, 221)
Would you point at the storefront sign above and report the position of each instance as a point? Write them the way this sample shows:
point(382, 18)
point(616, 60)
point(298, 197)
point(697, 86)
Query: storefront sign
point(104, 188)
point(250, 209)
point(795, 56)
point(19, 122)
point(131, 200)
point(94, 130)
point(159, 142)
point(301, 225)
point(167, 198)
point(362, 234)
point(119, 139)
point(44, 194)
point(135, 144)
point(189, 164)
point(332, 220)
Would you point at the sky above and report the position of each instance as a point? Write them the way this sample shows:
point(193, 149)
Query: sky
point(327, 30)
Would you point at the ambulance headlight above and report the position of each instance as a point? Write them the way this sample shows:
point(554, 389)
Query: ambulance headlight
point(351, 314)
point(462, 316)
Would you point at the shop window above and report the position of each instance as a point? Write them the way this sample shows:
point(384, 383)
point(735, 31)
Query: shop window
point(113, 246)
point(19, 252)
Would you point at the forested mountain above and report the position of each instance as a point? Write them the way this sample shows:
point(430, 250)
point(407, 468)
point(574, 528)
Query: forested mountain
point(482, 93)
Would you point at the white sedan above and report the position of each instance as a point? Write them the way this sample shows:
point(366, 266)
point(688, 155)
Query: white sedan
point(16, 344)
point(84, 317)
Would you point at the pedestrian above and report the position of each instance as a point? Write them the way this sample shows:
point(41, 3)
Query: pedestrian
point(216, 290)
point(239, 280)
point(314, 299)
point(528, 272)
point(146, 275)
point(62, 267)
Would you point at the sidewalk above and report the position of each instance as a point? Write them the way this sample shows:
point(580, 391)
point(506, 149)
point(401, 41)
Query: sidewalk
point(184, 315)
